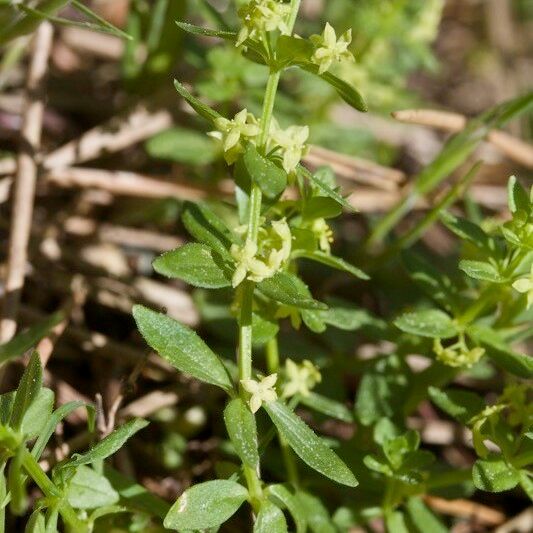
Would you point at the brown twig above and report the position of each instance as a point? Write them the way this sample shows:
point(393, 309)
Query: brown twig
point(514, 148)
point(115, 135)
point(466, 509)
point(356, 169)
point(121, 235)
point(25, 181)
point(124, 183)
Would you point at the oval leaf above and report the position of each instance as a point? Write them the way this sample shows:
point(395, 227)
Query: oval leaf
point(494, 475)
point(481, 270)
point(89, 489)
point(206, 505)
point(195, 264)
point(242, 430)
point(271, 179)
point(270, 519)
point(289, 290)
point(310, 448)
point(181, 347)
point(427, 323)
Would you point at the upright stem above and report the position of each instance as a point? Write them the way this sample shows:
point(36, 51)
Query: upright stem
point(245, 319)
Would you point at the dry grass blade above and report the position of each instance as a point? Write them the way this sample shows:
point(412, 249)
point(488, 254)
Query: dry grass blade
point(24, 190)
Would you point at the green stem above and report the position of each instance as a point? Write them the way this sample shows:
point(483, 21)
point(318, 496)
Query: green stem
point(295, 7)
point(49, 489)
point(272, 358)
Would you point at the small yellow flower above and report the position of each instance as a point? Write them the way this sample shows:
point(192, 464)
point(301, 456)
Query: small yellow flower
point(243, 126)
point(292, 143)
point(300, 378)
point(458, 355)
point(260, 391)
point(255, 265)
point(278, 256)
point(260, 16)
point(525, 286)
point(247, 264)
point(328, 49)
point(323, 233)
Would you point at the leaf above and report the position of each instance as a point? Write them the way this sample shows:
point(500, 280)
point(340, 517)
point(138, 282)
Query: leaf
point(382, 390)
point(320, 207)
point(481, 270)
point(51, 422)
point(461, 405)
point(292, 51)
point(395, 522)
point(467, 230)
point(29, 338)
point(289, 290)
point(526, 483)
point(435, 284)
point(284, 498)
point(89, 490)
point(494, 475)
point(317, 515)
point(264, 329)
point(27, 391)
point(242, 430)
point(518, 198)
point(328, 407)
point(427, 323)
point(36, 523)
point(196, 264)
point(347, 316)
point(182, 146)
point(28, 22)
point(519, 364)
point(206, 32)
point(310, 448)
point(424, 520)
point(203, 110)
point(334, 262)
point(38, 413)
point(348, 93)
point(321, 184)
point(109, 445)
point(206, 227)
point(270, 519)
point(181, 347)
point(6, 407)
point(270, 178)
point(206, 505)
point(135, 496)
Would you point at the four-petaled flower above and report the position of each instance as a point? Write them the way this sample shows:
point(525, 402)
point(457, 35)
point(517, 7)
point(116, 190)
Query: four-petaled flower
point(260, 391)
point(259, 16)
point(458, 355)
point(243, 126)
point(328, 49)
point(275, 251)
point(292, 143)
point(525, 286)
point(247, 264)
point(300, 378)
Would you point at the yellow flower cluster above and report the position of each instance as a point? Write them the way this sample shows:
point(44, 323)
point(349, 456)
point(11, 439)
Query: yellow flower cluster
point(258, 262)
